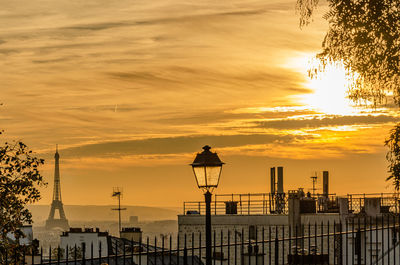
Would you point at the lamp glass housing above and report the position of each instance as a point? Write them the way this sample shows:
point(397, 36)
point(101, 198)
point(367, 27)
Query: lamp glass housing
point(207, 169)
point(207, 176)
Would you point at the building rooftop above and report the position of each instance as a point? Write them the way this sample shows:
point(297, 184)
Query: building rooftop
point(79, 230)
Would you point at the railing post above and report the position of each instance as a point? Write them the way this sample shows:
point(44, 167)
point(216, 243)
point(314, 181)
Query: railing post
point(99, 252)
point(214, 245)
point(249, 247)
point(140, 251)
point(75, 254)
point(33, 256)
point(23, 256)
point(58, 254)
point(269, 245)
point(358, 245)
point(283, 245)
point(66, 254)
point(370, 240)
point(162, 250)
point(123, 254)
point(177, 250)
point(365, 238)
point(155, 248)
point(328, 245)
point(185, 257)
point(383, 240)
point(91, 253)
point(221, 247)
point(132, 250)
point(170, 249)
point(276, 250)
point(147, 251)
point(108, 256)
point(116, 252)
point(229, 246)
point(334, 242)
point(200, 245)
point(83, 253)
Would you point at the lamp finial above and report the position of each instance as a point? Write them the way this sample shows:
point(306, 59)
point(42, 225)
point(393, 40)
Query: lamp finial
point(206, 148)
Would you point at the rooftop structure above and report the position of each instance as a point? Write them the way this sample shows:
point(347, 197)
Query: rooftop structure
point(255, 216)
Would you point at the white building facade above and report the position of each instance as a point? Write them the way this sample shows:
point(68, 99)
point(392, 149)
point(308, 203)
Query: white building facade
point(88, 239)
point(329, 230)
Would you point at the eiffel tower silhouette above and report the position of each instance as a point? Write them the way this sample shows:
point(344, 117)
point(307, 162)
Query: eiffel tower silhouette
point(57, 204)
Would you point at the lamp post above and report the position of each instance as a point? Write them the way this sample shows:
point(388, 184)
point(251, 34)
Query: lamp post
point(207, 170)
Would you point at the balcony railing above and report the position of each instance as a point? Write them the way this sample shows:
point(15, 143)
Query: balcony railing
point(266, 203)
point(251, 203)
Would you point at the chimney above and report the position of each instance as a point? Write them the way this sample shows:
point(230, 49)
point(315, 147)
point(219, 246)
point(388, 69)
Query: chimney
point(280, 180)
point(272, 180)
point(325, 187)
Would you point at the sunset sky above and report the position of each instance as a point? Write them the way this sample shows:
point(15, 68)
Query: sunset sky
point(131, 90)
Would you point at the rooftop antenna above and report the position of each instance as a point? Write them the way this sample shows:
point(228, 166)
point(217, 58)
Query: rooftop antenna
point(314, 183)
point(117, 192)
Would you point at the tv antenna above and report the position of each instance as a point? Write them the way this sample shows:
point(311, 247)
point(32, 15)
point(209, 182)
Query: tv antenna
point(117, 192)
point(314, 183)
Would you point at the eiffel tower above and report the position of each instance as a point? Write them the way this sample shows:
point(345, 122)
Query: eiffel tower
point(57, 204)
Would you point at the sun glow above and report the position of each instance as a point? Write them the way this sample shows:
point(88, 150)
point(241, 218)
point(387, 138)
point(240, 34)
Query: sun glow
point(330, 92)
point(329, 89)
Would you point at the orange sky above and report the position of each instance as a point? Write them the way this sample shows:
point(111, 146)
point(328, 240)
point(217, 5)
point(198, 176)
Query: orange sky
point(131, 90)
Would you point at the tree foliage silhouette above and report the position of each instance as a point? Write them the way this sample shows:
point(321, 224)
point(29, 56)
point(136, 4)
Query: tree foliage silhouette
point(364, 37)
point(19, 182)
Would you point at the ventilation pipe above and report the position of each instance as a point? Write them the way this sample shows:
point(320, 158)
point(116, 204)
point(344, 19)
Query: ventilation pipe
point(325, 187)
point(272, 180)
point(280, 180)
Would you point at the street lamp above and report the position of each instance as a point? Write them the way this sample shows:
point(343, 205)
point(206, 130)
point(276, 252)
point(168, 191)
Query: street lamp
point(207, 169)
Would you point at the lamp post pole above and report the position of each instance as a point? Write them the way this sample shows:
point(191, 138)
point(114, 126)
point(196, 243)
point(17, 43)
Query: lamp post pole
point(207, 197)
point(207, 169)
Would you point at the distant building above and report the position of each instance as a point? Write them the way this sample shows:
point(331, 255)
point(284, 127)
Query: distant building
point(94, 243)
point(28, 236)
point(133, 220)
point(86, 239)
point(131, 233)
point(30, 245)
point(90, 240)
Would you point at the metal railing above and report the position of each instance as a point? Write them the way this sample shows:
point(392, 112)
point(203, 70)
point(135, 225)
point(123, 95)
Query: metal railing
point(266, 203)
point(362, 240)
point(250, 203)
point(389, 202)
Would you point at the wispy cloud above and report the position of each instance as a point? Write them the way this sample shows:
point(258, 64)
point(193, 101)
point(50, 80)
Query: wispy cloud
point(173, 145)
point(331, 121)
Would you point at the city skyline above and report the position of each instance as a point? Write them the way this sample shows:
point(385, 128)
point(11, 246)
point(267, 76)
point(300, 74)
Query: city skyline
point(131, 92)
